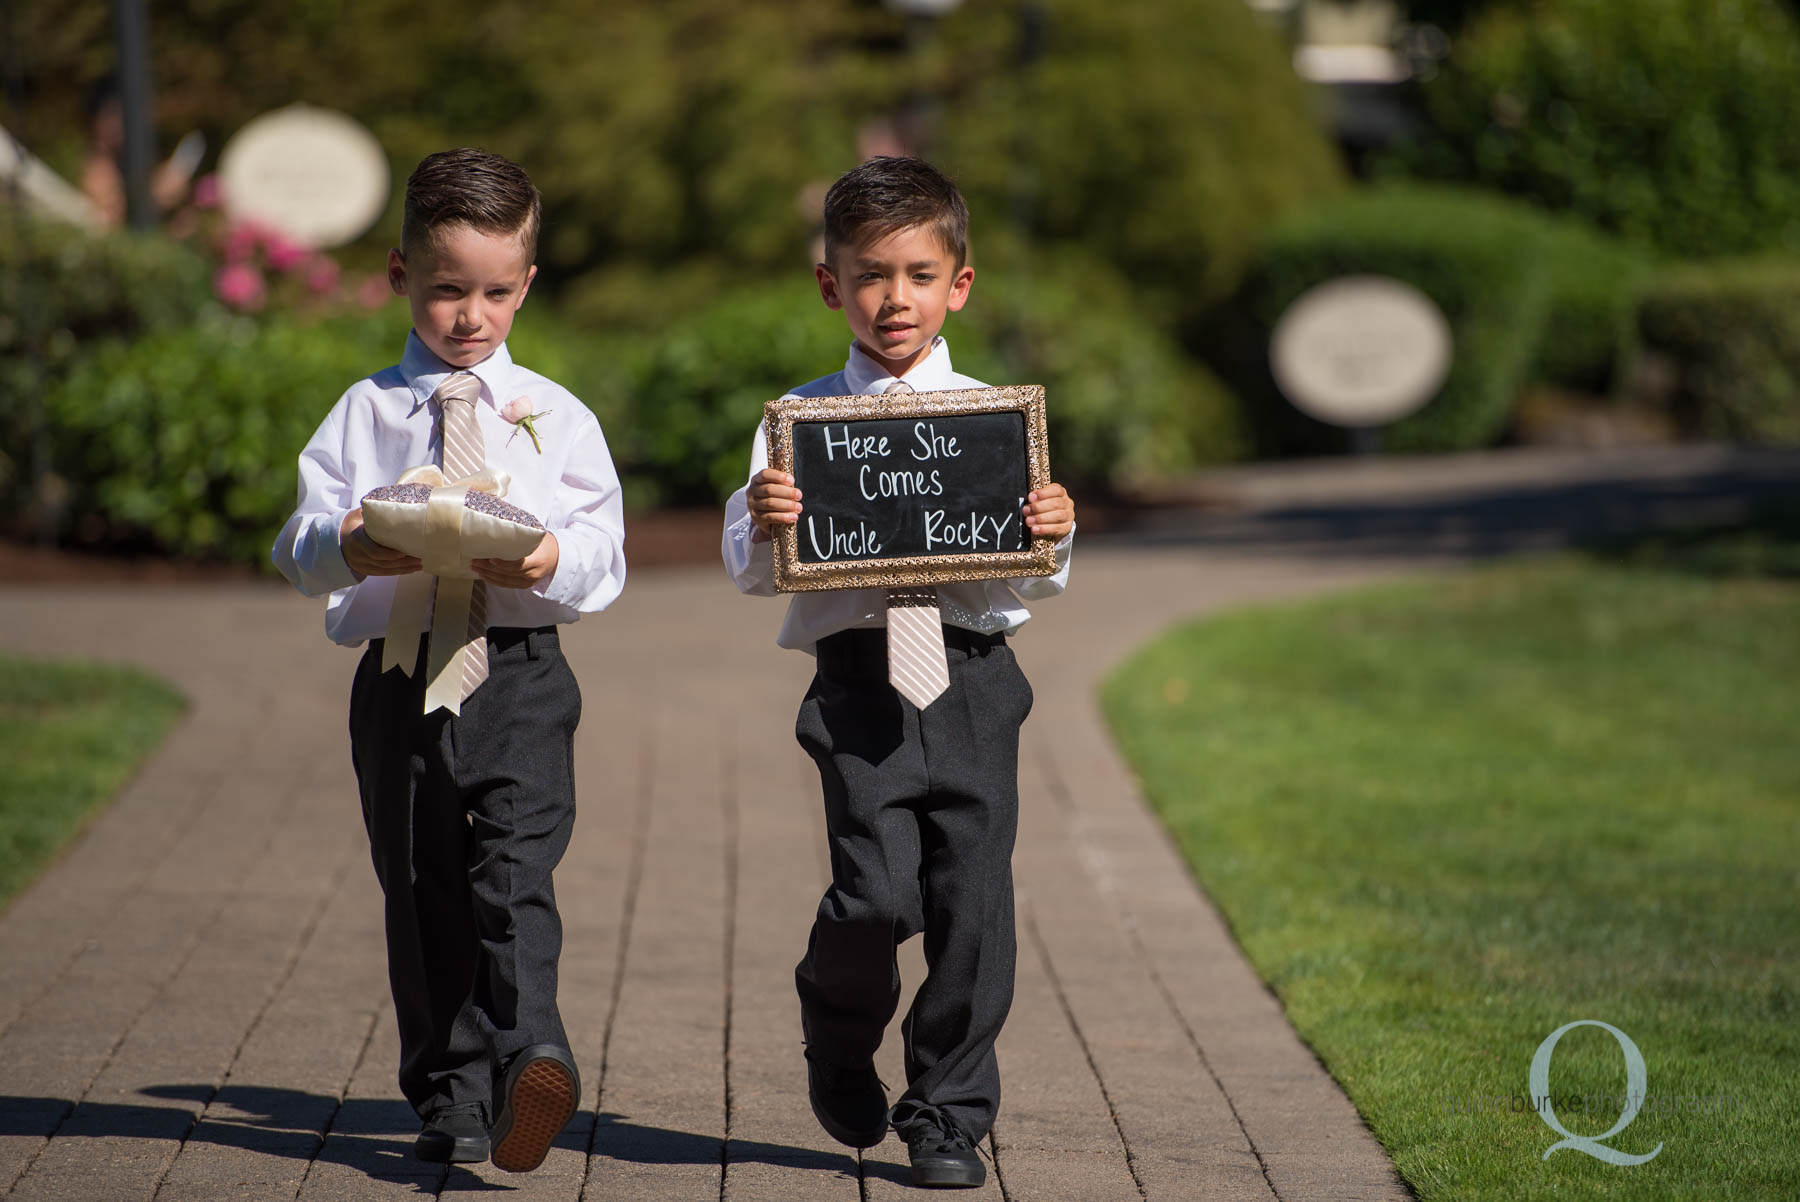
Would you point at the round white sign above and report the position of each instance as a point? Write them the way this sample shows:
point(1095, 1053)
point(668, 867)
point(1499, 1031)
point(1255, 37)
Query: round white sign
point(1361, 351)
point(314, 174)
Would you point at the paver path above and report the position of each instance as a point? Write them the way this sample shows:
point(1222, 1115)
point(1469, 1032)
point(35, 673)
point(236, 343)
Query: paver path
point(193, 1002)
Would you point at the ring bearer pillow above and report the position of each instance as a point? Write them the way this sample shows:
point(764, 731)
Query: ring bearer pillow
point(446, 523)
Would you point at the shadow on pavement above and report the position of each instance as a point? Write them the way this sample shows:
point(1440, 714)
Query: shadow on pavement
point(371, 1136)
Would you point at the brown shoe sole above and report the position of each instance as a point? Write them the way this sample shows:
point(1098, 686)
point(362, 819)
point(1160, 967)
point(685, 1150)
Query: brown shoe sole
point(541, 1102)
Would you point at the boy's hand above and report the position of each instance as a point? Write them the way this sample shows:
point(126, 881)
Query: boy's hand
point(367, 557)
point(1049, 513)
point(521, 573)
point(774, 501)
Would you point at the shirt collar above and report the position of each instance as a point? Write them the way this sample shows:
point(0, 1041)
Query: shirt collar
point(864, 375)
point(425, 372)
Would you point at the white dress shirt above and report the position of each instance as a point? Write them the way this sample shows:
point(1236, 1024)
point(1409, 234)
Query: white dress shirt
point(385, 424)
point(987, 606)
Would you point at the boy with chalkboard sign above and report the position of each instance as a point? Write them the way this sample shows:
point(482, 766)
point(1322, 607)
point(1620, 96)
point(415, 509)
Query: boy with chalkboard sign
point(920, 773)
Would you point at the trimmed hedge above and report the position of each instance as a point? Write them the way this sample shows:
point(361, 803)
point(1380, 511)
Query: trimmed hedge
point(1733, 332)
point(64, 292)
point(186, 441)
point(1669, 122)
point(1528, 297)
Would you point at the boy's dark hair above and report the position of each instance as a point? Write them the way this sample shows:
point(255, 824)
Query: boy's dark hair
point(888, 194)
point(483, 191)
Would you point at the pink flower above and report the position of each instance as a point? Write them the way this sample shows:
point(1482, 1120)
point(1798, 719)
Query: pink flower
point(240, 286)
point(516, 409)
point(321, 275)
point(207, 192)
point(283, 253)
point(240, 242)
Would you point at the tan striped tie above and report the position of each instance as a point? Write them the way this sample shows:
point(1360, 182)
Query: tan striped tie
point(464, 454)
point(918, 664)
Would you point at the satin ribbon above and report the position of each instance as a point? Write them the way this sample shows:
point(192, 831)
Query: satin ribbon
point(414, 593)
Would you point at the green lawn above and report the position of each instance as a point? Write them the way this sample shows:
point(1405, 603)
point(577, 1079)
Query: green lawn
point(71, 734)
point(1446, 818)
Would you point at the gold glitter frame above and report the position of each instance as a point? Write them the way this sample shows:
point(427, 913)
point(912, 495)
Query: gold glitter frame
point(793, 576)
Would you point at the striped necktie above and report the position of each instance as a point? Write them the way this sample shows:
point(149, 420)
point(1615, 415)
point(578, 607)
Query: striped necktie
point(458, 664)
point(918, 665)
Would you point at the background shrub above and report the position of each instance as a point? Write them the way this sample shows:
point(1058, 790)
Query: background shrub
point(683, 146)
point(1126, 406)
point(1733, 332)
point(1527, 297)
point(1593, 282)
point(63, 293)
point(1669, 122)
point(185, 441)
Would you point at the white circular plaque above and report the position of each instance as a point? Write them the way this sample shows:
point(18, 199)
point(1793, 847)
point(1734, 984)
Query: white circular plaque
point(314, 174)
point(1361, 351)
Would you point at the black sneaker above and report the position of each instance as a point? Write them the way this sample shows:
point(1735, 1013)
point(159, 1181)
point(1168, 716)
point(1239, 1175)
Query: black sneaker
point(943, 1157)
point(848, 1100)
point(454, 1135)
point(538, 1095)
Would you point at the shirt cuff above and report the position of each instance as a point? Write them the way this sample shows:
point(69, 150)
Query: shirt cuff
point(330, 565)
point(559, 574)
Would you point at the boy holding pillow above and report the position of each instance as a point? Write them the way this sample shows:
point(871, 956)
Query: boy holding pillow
point(921, 797)
point(469, 806)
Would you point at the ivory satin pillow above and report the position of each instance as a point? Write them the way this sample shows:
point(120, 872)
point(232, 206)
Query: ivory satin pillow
point(402, 516)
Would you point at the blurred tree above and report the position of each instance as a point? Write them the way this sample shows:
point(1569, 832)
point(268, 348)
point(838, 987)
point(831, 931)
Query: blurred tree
point(681, 145)
point(1448, 15)
point(1161, 135)
point(1668, 121)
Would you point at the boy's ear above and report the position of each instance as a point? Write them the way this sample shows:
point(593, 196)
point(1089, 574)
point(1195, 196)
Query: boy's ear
point(959, 289)
point(828, 289)
point(397, 271)
point(530, 275)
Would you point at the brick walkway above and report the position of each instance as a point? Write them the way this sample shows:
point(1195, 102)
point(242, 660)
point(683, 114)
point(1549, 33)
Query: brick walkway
point(193, 1003)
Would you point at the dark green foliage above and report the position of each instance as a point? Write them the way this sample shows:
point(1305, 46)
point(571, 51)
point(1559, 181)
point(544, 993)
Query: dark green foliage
point(697, 392)
point(682, 146)
point(1670, 122)
point(63, 292)
point(1733, 332)
point(185, 441)
point(1124, 404)
point(1449, 15)
point(1593, 281)
point(1161, 137)
point(1527, 297)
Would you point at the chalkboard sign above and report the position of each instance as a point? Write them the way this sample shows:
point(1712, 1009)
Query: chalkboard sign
point(910, 489)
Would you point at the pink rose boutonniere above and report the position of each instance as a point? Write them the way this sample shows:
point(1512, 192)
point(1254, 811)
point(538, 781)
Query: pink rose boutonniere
point(518, 412)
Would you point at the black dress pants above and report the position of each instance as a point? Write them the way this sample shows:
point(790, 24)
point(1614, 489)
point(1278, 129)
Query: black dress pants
point(921, 809)
point(467, 818)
